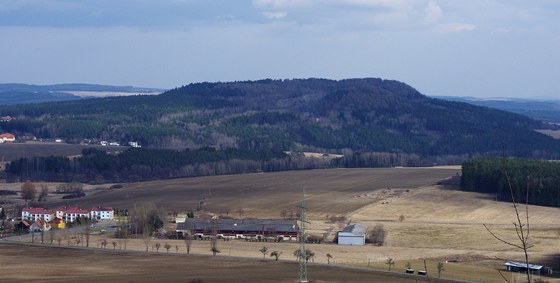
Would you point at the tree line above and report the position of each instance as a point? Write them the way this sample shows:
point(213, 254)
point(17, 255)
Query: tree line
point(143, 164)
point(538, 180)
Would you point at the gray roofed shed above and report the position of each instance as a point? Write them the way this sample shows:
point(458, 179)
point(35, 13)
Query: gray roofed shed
point(354, 234)
point(240, 226)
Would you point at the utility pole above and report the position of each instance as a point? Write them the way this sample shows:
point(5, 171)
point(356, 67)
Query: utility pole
point(303, 256)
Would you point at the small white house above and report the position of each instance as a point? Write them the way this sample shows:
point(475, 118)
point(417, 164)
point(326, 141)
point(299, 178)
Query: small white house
point(102, 213)
point(354, 234)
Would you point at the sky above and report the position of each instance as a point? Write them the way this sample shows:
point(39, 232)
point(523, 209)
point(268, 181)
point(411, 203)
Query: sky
point(478, 48)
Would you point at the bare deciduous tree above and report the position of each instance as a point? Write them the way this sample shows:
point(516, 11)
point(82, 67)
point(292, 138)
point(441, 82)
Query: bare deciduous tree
point(440, 269)
point(276, 255)
point(188, 236)
point(390, 262)
point(377, 235)
point(146, 238)
point(308, 254)
point(28, 192)
point(521, 226)
point(264, 250)
point(329, 257)
point(43, 194)
point(157, 245)
point(114, 243)
point(167, 246)
point(214, 246)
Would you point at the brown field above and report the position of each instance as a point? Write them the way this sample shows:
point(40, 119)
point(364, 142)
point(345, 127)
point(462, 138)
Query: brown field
point(21, 263)
point(441, 224)
point(329, 191)
point(12, 151)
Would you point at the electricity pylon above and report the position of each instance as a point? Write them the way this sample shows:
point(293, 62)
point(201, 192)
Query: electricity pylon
point(302, 252)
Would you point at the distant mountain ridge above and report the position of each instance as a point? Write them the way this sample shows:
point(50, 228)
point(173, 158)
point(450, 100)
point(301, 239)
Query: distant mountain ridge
point(15, 93)
point(351, 115)
point(547, 110)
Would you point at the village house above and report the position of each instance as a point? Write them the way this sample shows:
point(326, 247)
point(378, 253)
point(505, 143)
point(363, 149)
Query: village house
point(40, 225)
point(7, 137)
point(102, 213)
point(7, 118)
point(37, 213)
point(63, 215)
point(70, 214)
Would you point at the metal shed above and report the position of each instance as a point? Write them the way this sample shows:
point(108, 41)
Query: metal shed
point(354, 234)
point(536, 269)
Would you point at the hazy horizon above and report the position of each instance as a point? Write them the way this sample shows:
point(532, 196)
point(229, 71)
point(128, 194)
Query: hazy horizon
point(481, 49)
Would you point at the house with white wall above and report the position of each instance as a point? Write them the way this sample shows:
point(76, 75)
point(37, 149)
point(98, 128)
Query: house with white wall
point(37, 213)
point(70, 214)
point(102, 213)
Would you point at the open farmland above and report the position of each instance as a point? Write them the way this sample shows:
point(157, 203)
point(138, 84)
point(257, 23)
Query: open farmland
point(20, 263)
point(441, 224)
point(12, 151)
point(329, 191)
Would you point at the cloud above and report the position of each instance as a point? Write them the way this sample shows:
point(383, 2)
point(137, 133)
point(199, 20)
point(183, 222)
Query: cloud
point(280, 3)
point(432, 13)
point(455, 27)
point(275, 15)
point(375, 3)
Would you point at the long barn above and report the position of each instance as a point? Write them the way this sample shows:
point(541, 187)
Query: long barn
point(259, 229)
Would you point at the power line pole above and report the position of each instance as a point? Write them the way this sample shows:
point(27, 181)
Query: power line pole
point(302, 252)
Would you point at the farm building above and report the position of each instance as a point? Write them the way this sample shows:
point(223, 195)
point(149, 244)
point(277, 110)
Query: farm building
point(354, 234)
point(259, 229)
point(535, 269)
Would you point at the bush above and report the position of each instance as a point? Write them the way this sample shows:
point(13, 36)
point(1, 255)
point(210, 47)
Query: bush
point(70, 188)
point(74, 195)
point(7, 193)
point(377, 235)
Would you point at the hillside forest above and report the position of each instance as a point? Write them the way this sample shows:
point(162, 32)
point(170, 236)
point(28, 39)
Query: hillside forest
point(346, 116)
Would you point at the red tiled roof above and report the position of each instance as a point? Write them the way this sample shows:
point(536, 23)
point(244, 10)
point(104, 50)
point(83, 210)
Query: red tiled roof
point(7, 136)
point(72, 210)
point(37, 210)
point(107, 208)
point(76, 210)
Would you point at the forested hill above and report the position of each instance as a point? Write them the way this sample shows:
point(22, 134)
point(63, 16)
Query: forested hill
point(363, 115)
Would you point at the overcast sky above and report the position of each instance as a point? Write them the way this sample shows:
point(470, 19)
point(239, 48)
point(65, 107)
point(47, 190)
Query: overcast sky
point(481, 48)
